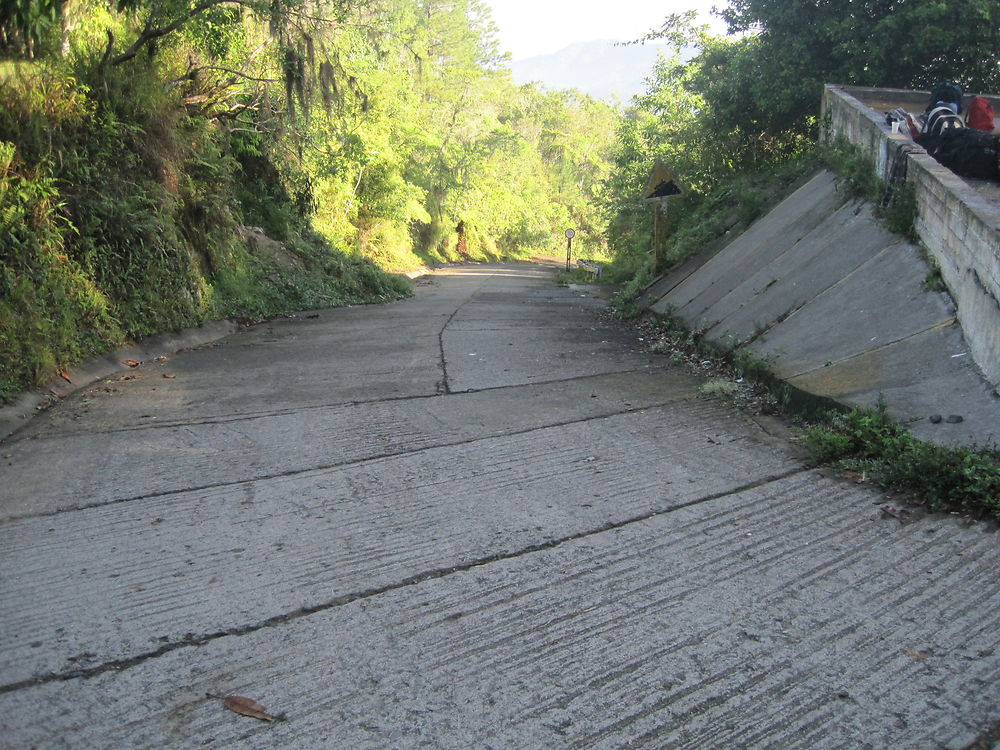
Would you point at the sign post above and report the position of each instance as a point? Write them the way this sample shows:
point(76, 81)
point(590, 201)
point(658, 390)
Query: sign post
point(659, 189)
point(570, 234)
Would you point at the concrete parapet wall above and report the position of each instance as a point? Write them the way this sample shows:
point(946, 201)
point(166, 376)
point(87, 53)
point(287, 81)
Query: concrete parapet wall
point(959, 227)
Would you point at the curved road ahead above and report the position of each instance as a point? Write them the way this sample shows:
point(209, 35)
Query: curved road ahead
point(479, 518)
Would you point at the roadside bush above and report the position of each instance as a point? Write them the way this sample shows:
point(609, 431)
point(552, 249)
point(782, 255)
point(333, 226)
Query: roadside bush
point(945, 478)
point(120, 218)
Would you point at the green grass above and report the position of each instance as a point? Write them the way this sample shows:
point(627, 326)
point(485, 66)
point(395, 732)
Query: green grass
point(577, 276)
point(896, 205)
point(944, 478)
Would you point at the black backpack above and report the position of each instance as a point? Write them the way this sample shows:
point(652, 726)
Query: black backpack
point(947, 92)
point(939, 120)
point(969, 153)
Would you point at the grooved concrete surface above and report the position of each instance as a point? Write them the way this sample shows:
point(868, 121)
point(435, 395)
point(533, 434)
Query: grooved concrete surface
point(480, 518)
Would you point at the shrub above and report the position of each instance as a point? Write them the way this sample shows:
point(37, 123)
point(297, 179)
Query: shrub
point(945, 478)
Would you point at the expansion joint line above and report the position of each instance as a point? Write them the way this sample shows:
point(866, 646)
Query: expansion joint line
point(388, 454)
point(193, 640)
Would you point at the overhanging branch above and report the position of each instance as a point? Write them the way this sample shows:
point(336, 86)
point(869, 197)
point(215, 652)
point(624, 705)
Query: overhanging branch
point(149, 33)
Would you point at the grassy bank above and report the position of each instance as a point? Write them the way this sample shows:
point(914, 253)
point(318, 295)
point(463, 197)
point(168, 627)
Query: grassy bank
point(122, 217)
point(873, 446)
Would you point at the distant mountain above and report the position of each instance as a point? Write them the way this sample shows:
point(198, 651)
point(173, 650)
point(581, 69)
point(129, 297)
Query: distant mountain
point(600, 68)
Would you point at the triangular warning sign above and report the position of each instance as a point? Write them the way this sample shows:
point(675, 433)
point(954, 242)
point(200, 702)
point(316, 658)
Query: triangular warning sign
point(660, 184)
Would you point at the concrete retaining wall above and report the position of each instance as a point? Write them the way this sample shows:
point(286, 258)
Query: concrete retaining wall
point(834, 302)
point(955, 222)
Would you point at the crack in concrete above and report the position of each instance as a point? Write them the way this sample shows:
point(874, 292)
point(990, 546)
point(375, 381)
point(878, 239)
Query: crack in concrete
point(946, 323)
point(863, 267)
point(193, 640)
point(341, 465)
point(444, 387)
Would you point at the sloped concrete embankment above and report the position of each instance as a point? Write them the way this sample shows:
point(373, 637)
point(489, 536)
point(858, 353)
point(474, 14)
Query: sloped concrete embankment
point(835, 303)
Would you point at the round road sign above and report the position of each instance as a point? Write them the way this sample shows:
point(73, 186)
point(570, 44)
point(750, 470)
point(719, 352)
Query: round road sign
point(570, 234)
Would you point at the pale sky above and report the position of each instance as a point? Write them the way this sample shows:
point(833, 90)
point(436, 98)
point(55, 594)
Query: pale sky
point(539, 27)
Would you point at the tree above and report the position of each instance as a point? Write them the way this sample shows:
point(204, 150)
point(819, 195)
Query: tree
point(773, 79)
point(27, 26)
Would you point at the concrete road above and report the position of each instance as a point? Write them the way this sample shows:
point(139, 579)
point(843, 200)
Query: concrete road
point(479, 518)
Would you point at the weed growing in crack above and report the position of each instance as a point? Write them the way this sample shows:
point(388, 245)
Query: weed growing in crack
point(751, 365)
point(720, 387)
point(933, 281)
point(869, 442)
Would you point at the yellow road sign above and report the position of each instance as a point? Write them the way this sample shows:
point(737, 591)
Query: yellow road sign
point(660, 184)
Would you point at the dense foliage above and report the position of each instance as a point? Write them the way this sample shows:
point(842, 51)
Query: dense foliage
point(748, 104)
point(166, 162)
point(780, 71)
point(869, 443)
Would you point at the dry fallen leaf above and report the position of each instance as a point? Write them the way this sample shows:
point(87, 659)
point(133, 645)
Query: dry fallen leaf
point(168, 376)
point(897, 513)
point(131, 363)
point(65, 375)
point(247, 707)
